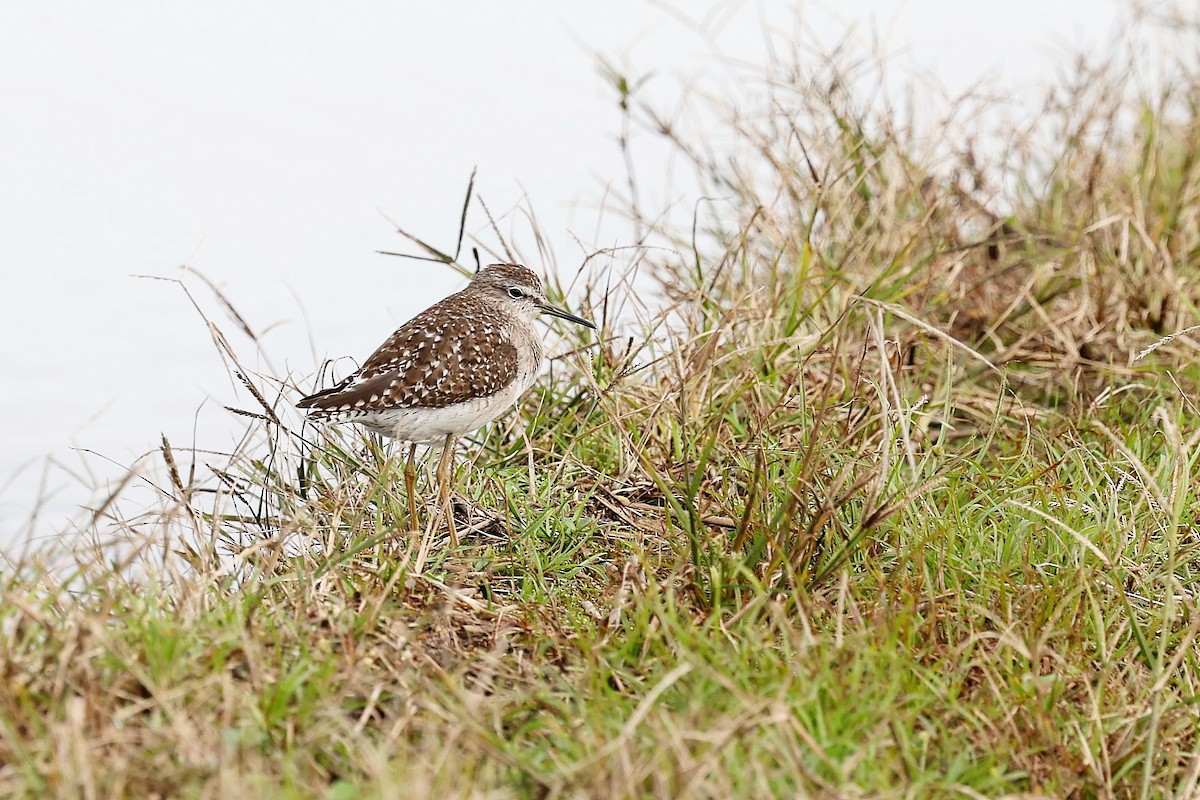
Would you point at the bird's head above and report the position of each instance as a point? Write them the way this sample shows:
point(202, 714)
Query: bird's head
point(515, 287)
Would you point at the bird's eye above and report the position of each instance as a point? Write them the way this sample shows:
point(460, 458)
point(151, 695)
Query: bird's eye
point(515, 293)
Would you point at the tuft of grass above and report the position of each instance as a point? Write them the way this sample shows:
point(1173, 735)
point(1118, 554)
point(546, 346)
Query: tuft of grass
point(877, 503)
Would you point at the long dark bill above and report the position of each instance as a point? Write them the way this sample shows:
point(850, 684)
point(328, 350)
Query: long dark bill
point(558, 312)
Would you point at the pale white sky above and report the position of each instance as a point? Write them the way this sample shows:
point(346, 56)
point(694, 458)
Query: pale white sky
point(262, 143)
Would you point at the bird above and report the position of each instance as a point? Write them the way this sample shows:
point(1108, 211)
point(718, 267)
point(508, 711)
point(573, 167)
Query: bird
point(452, 368)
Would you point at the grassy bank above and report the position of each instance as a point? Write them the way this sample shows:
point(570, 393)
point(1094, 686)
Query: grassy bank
point(879, 504)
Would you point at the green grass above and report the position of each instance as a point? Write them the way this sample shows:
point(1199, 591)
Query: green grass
point(878, 505)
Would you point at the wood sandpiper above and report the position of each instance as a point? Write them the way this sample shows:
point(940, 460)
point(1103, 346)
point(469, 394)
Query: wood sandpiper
point(454, 367)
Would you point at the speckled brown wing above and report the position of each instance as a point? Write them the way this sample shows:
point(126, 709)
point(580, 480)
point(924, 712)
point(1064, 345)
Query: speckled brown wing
point(452, 352)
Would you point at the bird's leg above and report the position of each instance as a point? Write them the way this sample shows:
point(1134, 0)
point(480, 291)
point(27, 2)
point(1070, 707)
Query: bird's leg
point(445, 470)
point(410, 486)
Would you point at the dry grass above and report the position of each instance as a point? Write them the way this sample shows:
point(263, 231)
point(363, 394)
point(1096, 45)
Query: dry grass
point(878, 505)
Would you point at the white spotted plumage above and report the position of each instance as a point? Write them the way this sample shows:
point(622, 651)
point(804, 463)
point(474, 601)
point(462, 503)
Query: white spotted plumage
point(452, 368)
